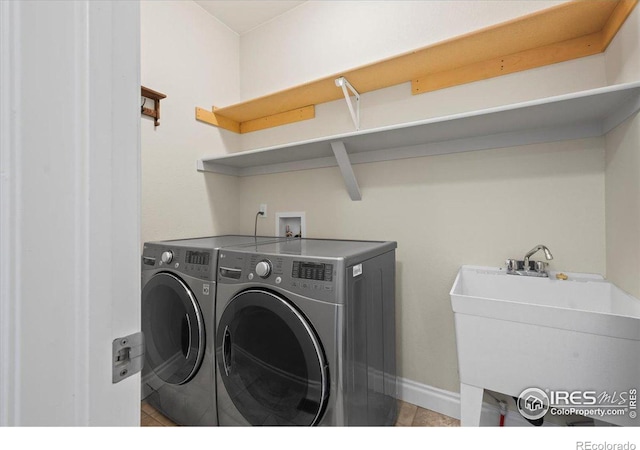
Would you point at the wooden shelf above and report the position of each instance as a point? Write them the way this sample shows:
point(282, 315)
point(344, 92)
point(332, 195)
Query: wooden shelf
point(156, 97)
point(567, 31)
point(572, 116)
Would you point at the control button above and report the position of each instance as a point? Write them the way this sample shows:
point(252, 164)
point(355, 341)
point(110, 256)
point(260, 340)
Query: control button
point(250, 276)
point(177, 265)
point(278, 280)
point(167, 257)
point(263, 268)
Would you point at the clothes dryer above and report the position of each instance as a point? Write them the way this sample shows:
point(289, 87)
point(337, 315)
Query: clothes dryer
point(306, 333)
point(178, 294)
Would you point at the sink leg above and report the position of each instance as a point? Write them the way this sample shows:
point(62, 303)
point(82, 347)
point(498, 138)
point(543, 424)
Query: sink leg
point(470, 405)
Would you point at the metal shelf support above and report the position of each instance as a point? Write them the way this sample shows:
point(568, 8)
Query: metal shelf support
point(344, 163)
point(354, 111)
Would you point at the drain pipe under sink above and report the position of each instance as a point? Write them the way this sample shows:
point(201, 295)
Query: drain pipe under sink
point(503, 412)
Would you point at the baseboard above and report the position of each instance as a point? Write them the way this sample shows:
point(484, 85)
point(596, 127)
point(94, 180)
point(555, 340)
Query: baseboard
point(429, 397)
point(448, 403)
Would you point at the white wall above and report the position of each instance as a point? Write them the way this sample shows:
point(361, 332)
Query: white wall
point(193, 59)
point(444, 211)
point(623, 166)
point(327, 37)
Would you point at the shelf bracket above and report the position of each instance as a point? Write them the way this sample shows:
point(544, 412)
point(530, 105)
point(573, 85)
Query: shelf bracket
point(354, 111)
point(344, 163)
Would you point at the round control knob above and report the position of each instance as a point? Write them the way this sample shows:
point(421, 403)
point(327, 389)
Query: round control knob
point(263, 268)
point(167, 257)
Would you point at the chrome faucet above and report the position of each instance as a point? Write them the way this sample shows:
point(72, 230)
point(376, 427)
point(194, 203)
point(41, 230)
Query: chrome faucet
point(530, 253)
point(530, 268)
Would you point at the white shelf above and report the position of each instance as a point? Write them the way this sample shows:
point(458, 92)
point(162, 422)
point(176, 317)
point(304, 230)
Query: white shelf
point(572, 116)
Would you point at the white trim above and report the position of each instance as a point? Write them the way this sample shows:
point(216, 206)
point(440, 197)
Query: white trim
point(10, 163)
point(429, 397)
point(81, 220)
point(69, 199)
point(448, 403)
point(113, 164)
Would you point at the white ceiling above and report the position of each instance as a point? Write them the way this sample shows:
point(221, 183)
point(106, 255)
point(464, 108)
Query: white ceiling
point(242, 16)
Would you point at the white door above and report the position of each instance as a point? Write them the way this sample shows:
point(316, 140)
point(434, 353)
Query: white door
point(69, 210)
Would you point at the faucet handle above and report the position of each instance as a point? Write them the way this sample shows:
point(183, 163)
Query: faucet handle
point(541, 266)
point(512, 265)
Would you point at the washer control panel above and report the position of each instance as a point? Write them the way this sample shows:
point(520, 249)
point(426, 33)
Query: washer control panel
point(195, 262)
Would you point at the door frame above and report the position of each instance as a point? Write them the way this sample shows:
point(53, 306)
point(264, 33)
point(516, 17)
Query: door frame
point(69, 210)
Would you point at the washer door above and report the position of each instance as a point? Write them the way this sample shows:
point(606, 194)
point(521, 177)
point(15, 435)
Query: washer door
point(271, 361)
point(173, 329)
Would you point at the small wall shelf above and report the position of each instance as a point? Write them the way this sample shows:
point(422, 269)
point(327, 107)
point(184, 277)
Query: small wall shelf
point(156, 97)
point(571, 116)
point(567, 31)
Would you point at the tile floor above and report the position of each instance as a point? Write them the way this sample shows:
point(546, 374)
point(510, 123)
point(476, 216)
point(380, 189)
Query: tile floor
point(408, 416)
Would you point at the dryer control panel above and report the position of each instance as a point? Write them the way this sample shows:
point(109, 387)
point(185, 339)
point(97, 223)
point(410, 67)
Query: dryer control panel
point(308, 277)
point(307, 270)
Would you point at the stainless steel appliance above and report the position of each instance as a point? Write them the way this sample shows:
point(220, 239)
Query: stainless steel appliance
point(305, 333)
point(178, 294)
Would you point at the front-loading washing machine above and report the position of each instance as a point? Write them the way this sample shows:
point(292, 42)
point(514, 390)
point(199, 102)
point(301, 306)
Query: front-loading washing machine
point(178, 299)
point(305, 333)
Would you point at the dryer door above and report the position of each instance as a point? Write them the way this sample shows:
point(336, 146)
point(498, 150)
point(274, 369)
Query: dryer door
point(173, 329)
point(271, 361)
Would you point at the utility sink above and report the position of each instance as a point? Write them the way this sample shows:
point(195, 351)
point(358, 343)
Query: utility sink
point(516, 332)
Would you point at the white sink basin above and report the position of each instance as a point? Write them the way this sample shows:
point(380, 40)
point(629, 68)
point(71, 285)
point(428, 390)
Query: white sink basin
point(585, 302)
point(515, 332)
